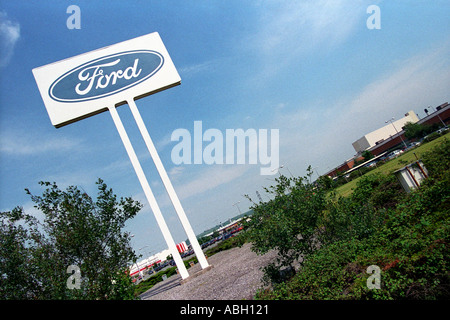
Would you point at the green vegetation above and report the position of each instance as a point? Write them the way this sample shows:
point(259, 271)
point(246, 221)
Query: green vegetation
point(287, 223)
point(74, 231)
point(394, 164)
point(335, 234)
point(369, 226)
point(150, 282)
point(405, 234)
point(417, 131)
point(236, 241)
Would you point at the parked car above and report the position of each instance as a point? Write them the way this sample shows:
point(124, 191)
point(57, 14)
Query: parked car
point(442, 130)
point(394, 154)
point(371, 164)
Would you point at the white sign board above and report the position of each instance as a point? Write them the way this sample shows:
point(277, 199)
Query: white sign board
point(87, 84)
point(100, 80)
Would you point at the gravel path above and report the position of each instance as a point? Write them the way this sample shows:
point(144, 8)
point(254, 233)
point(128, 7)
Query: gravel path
point(235, 275)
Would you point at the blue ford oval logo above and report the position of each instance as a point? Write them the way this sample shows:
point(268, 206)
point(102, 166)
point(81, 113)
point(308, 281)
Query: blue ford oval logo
point(106, 76)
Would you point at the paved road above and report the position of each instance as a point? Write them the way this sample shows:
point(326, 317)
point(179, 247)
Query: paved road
point(235, 275)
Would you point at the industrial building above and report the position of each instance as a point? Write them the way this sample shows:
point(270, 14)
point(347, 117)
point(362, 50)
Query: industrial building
point(392, 135)
point(388, 131)
point(440, 116)
point(145, 264)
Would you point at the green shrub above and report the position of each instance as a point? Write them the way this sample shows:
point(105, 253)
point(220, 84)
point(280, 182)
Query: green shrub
point(150, 282)
point(378, 190)
point(345, 220)
point(288, 223)
point(326, 274)
point(408, 239)
point(437, 161)
point(431, 137)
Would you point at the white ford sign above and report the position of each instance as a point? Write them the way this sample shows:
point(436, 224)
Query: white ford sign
point(100, 80)
point(87, 84)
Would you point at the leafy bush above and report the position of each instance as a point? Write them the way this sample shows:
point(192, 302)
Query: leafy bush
point(75, 230)
point(437, 162)
point(432, 136)
point(150, 282)
point(236, 241)
point(288, 223)
point(408, 239)
point(327, 274)
point(378, 190)
point(345, 220)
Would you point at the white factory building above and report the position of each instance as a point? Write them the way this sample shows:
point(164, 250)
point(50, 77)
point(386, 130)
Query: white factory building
point(148, 262)
point(390, 129)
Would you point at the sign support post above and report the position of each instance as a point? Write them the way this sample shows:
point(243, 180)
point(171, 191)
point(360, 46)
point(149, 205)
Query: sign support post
point(148, 193)
point(168, 185)
point(85, 85)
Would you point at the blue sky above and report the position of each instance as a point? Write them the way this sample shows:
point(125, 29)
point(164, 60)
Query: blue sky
point(311, 69)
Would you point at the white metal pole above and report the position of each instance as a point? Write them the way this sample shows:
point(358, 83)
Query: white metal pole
point(149, 194)
point(168, 185)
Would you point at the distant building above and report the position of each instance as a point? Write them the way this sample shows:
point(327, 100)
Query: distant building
point(440, 117)
point(182, 247)
point(148, 262)
point(387, 132)
point(391, 136)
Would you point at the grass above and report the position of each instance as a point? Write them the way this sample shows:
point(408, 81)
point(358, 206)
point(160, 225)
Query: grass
point(393, 165)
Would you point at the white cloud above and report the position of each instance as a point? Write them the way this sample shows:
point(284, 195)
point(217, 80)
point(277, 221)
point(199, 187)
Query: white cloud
point(80, 178)
point(293, 29)
point(19, 144)
point(193, 69)
point(29, 208)
point(164, 142)
point(9, 35)
point(193, 182)
point(210, 178)
point(176, 171)
point(418, 82)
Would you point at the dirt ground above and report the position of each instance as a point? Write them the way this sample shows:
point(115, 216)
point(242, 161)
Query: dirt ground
point(235, 275)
